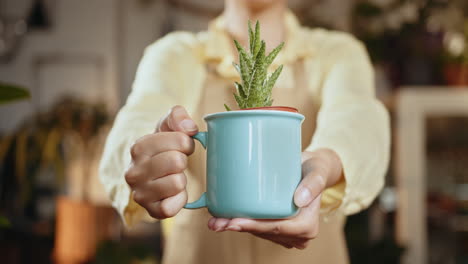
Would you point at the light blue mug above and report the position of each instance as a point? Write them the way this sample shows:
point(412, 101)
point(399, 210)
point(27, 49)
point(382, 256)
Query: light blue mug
point(253, 164)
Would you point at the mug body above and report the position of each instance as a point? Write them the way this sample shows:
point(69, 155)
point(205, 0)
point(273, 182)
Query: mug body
point(253, 163)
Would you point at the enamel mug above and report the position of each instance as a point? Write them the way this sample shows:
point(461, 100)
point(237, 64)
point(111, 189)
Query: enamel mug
point(253, 164)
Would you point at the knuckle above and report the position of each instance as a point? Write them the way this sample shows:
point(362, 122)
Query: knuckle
point(131, 176)
point(135, 150)
point(321, 182)
point(139, 198)
point(179, 182)
point(177, 108)
point(179, 161)
point(175, 111)
point(154, 213)
point(276, 230)
point(184, 141)
point(166, 210)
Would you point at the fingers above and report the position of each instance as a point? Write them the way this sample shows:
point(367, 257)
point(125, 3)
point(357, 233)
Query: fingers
point(303, 226)
point(178, 120)
point(165, 163)
point(313, 183)
point(270, 227)
point(168, 207)
point(158, 162)
point(153, 144)
point(159, 189)
point(218, 224)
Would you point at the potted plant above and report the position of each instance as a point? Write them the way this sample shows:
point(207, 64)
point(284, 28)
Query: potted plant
point(456, 68)
point(254, 91)
point(50, 162)
point(253, 154)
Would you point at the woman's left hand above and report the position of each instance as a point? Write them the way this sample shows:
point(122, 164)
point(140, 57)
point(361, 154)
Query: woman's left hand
point(320, 169)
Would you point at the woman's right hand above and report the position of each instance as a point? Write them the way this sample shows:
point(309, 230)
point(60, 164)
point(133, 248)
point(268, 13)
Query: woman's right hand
point(156, 174)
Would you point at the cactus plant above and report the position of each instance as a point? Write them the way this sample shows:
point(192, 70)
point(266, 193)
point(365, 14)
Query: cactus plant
point(255, 87)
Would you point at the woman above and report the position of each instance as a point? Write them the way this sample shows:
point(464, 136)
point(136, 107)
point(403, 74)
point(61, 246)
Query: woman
point(327, 76)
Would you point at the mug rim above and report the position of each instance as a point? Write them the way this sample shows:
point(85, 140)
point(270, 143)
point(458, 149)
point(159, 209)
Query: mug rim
point(254, 112)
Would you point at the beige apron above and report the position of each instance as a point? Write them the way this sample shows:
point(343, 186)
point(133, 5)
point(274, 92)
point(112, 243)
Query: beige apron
point(192, 242)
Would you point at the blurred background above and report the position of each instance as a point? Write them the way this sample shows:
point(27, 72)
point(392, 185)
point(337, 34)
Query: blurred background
point(77, 60)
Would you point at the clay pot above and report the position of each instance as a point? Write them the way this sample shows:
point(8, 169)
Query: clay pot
point(80, 227)
point(456, 74)
point(276, 108)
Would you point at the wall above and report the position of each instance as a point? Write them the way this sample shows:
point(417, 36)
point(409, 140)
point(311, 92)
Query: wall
point(93, 47)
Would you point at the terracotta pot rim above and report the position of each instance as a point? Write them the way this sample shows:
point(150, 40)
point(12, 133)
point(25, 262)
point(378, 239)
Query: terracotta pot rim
point(276, 108)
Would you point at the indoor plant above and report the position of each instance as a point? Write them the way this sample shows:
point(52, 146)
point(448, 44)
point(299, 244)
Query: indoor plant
point(254, 156)
point(254, 91)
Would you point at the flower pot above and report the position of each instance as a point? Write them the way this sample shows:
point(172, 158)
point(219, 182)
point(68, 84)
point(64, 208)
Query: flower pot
point(80, 227)
point(276, 108)
point(456, 75)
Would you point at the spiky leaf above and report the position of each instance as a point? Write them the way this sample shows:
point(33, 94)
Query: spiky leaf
point(269, 59)
point(227, 107)
point(251, 38)
point(243, 53)
point(240, 90)
point(255, 88)
point(257, 40)
point(272, 79)
point(259, 68)
point(239, 101)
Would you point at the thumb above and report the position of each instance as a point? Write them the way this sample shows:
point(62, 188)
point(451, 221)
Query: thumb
point(178, 120)
point(311, 186)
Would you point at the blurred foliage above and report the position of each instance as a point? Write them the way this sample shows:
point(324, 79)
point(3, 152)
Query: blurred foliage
point(37, 149)
point(117, 253)
point(401, 25)
point(10, 93)
point(4, 223)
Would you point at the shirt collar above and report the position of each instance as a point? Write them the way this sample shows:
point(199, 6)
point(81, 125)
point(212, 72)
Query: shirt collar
point(218, 47)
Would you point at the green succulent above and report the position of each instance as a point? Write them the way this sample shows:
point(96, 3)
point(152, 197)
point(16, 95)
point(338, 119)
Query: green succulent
point(255, 87)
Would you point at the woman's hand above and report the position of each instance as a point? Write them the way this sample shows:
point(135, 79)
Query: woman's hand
point(156, 175)
point(320, 169)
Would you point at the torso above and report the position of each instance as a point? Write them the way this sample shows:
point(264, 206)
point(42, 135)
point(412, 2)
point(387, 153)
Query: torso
point(203, 246)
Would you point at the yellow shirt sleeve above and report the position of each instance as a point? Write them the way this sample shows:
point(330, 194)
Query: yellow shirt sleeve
point(353, 123)
point(169, 74)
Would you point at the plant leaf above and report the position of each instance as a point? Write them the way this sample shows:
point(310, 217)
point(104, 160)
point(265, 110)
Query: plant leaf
point(257, 42)
point(240, 90)
point(251, 38)
point(9, 93)
point(227, 107)
point(255, 88)
point(239, 101)
point(269, 59)
point(272, 79)
point(237, 67)
point(257, 78)
point(243, 53)
point(245, 73)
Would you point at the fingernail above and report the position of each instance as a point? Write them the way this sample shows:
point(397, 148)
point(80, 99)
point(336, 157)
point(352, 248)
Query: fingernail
point(233, 228)
point(188, 125)
point(303, 197)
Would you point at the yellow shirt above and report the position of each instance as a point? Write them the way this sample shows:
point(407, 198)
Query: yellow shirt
point(350, 120)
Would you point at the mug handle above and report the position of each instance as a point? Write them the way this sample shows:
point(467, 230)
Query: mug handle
point(201, 202)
